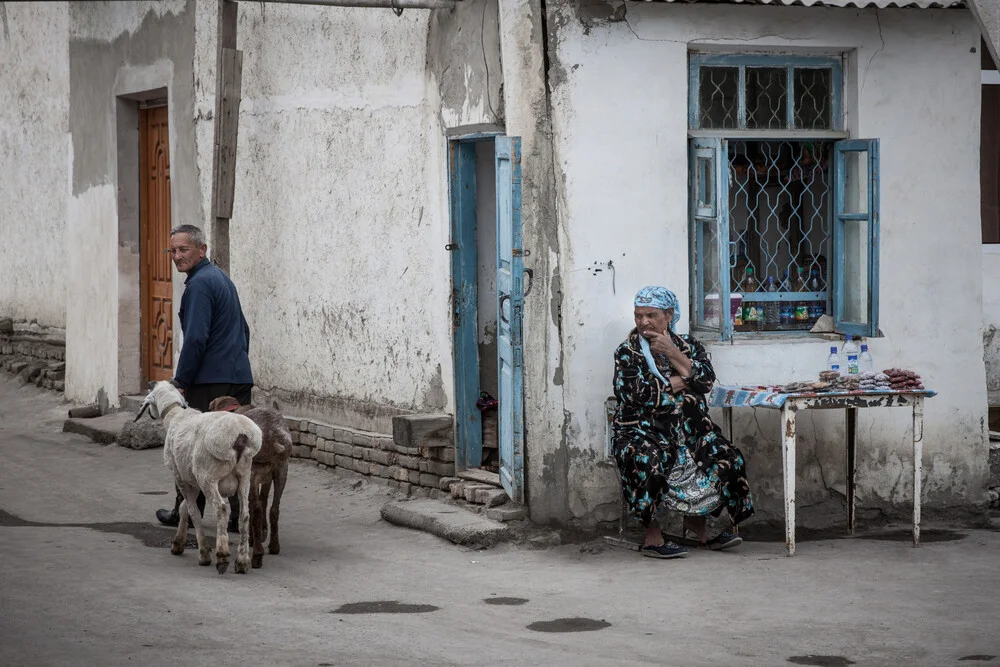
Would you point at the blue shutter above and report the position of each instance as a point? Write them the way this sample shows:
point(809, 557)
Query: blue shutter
point(709, 236)
point(510, 306)
point(856, 236)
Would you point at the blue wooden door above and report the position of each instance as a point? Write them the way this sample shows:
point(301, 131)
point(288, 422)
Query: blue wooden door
point(510, 306)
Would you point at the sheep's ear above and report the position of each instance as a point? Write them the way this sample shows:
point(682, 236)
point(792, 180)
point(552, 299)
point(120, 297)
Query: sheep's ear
point(152, 385)
point(145, 406)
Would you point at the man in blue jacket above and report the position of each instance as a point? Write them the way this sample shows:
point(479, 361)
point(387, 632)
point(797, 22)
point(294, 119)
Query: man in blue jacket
point(214, 357)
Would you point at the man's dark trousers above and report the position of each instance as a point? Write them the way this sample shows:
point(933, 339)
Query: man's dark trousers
point(199, 397)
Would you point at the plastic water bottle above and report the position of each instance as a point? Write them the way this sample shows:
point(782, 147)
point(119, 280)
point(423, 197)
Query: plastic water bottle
point(865, 361)
point(816, 308)
point(802, 307)
point(772, 311)
point(833, 361)
point(851, 361)
point(786, 311)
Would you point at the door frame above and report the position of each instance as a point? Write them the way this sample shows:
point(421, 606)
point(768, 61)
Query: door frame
point(130, 97)
point(145, 214)
point(465, 293)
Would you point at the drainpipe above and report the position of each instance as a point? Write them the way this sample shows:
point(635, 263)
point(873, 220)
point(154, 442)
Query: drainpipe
point(396, 5)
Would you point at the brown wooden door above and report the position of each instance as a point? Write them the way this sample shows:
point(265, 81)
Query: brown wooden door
point(155, 272)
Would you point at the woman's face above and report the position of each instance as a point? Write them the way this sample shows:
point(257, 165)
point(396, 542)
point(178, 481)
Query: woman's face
point(653, 320)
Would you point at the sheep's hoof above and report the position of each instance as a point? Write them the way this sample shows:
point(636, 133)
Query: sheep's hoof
point(274, 548)
point(257, 561)
point(221, 565)
point(177, 548)
point(205, 559)
point(242, 567)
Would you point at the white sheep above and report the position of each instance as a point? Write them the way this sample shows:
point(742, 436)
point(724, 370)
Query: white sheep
point(213, 452)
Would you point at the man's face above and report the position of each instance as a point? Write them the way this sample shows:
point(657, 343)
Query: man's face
point(185, 254)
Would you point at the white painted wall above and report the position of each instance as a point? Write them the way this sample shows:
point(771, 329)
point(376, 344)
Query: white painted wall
point(620, 133)
point(34, 173)
point(119, 50)
point(341, 211)
point(991, 319)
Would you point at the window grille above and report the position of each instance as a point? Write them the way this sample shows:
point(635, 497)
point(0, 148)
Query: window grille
point(765, 92)
point(779, 239)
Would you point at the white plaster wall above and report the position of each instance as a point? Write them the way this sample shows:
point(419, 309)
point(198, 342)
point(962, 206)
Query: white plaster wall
point(119, 50)
point(991, 319)
point(91, 251)
point(34, 174)
point(620, 134)
point(341, 216)
point(206, 30)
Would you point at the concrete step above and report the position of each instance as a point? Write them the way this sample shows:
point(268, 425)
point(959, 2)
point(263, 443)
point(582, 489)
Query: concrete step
point(103, 430)
point(131, 403)
point(481, 476)
point(446, 520)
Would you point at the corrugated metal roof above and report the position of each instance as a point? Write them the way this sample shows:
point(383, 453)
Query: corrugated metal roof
point(881, 4)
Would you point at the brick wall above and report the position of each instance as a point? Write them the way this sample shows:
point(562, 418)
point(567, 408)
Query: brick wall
point(405, 462)
point(33, 352)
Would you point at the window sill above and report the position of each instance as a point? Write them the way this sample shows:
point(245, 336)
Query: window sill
point(708, 338)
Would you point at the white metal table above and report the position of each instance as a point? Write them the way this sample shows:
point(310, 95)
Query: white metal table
point(728, 398)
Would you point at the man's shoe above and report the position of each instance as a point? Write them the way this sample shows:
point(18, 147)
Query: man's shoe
point(171, 518)
point(168, 517)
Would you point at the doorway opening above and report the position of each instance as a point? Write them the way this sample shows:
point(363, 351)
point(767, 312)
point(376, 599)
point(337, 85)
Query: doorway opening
point(488, 301)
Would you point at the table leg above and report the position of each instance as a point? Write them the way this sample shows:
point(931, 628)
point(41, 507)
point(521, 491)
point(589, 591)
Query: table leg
point(918, 465)
point(852, 444)
point(788, 449)
point(727, 421)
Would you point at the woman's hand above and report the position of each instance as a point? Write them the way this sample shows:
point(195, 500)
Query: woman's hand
point(660, 343)
point(677, 385)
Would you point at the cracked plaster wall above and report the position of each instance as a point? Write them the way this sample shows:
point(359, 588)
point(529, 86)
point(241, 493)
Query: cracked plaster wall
point(119, 50)
point(991, 320)
point(341, 208)
point(34, 171)
point(620, 135)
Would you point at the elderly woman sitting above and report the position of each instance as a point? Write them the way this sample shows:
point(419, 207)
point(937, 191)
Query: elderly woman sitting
point(670, 453)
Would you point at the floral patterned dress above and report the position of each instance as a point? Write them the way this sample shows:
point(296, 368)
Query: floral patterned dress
point(670, 453)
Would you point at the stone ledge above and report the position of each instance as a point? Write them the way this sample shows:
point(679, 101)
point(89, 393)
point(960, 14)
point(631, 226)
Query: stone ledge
point(447, 521)
point(423, 431)
point(103, 430)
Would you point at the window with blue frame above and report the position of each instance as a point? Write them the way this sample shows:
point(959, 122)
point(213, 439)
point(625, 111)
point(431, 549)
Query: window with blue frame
point(784, 208)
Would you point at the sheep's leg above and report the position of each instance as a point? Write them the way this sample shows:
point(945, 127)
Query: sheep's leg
point(256, 525)
point(265, 491)
point(195, 512)
point(274, 546)
point(180, 537)
point(243, 551)
point(184, 511)
point(221, 527)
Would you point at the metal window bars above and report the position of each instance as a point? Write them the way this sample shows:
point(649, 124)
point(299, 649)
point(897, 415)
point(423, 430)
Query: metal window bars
point(779, 233)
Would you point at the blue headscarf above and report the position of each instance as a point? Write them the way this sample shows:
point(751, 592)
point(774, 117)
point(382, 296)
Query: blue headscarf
point(653, 296)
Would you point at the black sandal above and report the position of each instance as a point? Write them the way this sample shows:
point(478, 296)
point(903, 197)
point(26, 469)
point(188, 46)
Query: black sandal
point(665, 550)
point(724, 540)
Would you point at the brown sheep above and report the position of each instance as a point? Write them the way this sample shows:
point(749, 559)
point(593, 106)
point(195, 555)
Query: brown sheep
point(270, 466)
